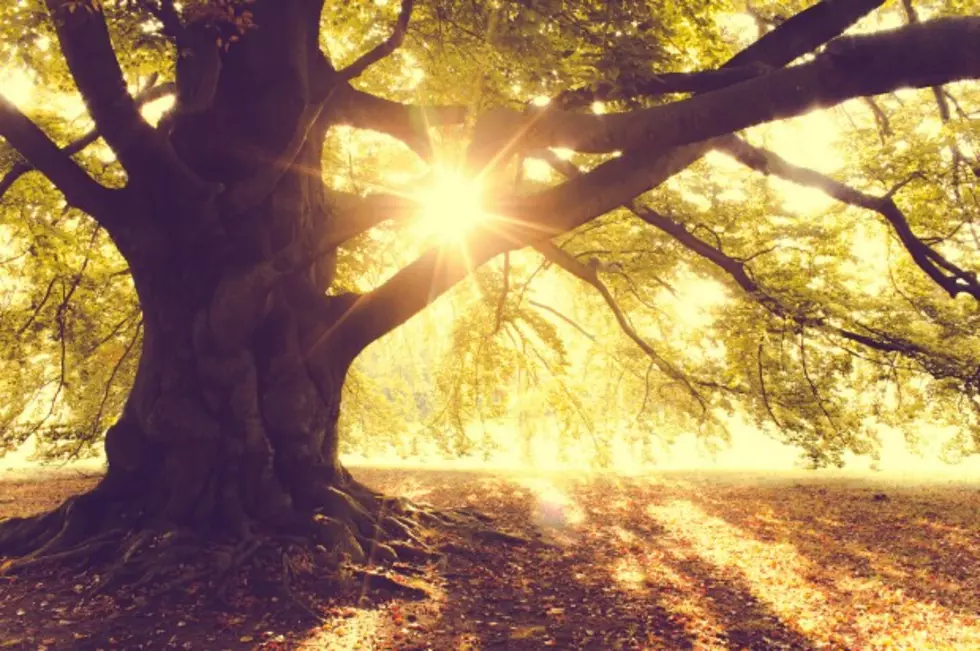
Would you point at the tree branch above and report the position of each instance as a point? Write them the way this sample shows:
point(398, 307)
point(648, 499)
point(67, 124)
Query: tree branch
point(80, 190)
point(563, 317)
point(762, 389)
point(352, 215)
point(407, 123)
point(23, 167)
point(920, 55)
point(570, 264)
point(85, 43)
point(384, 49)
point(689, 240)
point(699, 81)
point(736, 269)
point(804, 32)
point(166, 12)
point(956, 281)
point(560, 209)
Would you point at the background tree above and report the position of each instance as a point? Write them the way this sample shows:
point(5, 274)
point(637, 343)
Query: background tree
point(258, 269)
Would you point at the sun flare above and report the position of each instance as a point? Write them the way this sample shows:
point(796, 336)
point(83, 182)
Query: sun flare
point(451, 206)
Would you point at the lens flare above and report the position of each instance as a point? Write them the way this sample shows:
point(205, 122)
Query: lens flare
point(450, 206)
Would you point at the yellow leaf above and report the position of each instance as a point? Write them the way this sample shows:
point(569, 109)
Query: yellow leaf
point(524, 632)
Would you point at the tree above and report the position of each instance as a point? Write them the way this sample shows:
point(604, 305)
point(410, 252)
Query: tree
point(231, 236)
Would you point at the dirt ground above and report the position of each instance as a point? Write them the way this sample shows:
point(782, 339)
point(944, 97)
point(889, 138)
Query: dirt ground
point(671, 561)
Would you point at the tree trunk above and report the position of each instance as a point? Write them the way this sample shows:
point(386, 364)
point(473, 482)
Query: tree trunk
point(231, 425)
point(233, 416)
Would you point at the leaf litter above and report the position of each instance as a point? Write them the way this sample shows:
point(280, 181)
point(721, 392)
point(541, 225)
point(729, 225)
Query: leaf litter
point(670, 561)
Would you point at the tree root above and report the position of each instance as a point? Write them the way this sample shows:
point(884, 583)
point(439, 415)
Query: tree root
point(378, 581)
point(355, 529)
point(86, 551)
point(291, 596)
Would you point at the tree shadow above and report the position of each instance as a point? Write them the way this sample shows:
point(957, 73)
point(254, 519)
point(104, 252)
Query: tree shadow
point(920, 542)
point(599, 583)
point(619, 564)
point(717, 606)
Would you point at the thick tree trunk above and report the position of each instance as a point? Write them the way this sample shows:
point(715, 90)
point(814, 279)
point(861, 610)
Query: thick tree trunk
point(233, 417)
point(231, 426)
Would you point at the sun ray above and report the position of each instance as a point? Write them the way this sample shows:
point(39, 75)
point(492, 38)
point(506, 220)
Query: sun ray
point(451, 206)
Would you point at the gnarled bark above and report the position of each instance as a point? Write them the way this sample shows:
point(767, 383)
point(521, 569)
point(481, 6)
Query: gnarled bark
point(230, 430)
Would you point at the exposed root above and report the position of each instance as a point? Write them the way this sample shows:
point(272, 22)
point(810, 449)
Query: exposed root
point(378, 581)
point(415, 553)
point(84, 552)
point(288, 593)
point(49, 533)
point(497, 536)
point(355, 529)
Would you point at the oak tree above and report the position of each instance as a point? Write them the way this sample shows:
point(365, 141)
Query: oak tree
point(233, 234)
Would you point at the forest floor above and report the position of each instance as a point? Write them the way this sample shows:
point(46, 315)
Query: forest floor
point(679, 560)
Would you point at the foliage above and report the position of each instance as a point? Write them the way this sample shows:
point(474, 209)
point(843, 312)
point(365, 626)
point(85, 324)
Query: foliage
point(519, 337)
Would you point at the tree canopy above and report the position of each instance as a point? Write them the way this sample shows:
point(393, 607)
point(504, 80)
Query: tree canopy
point(691, 212)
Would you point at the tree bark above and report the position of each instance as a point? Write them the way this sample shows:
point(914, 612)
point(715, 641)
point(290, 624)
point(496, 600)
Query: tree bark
point(231, 425)
point(238, 414)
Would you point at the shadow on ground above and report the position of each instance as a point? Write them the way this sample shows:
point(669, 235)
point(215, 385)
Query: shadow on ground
point(680, 560)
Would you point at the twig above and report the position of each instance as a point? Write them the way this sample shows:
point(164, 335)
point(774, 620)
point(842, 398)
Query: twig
point(384, 49)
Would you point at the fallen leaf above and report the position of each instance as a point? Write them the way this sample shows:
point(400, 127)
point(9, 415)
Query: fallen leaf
point(524, 632)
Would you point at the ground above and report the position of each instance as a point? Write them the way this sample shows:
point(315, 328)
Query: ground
point(667, 561)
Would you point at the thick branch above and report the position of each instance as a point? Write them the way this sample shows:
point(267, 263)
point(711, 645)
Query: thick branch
point(919, 55)
point(956, 281)
point(407, 123)
point(352, 215)
point(23, 167)
point(804, 32)
point(85, 42)
point(700, 81)
point(80, 190)
point(384, 49)
point(800, 34)
point(560, 209)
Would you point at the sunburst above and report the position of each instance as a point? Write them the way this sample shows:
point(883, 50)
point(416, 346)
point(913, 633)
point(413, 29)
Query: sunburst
point(450, 206)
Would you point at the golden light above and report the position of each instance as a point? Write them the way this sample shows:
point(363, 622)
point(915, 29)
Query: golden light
point(450, 206)
point(810, 595)
point(18, 87)
point(155, 110)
